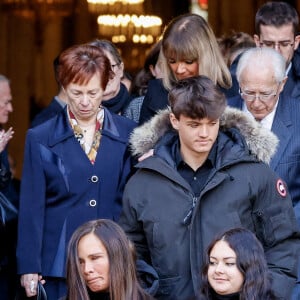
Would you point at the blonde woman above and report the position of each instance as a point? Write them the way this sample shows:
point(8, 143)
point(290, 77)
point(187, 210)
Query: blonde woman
point(189, 48)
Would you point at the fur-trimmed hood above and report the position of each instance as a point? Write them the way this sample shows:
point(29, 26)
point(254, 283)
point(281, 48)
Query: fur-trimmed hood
point(261, 142)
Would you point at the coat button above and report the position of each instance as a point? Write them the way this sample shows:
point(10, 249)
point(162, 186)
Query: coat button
point(94, 178)
point(93, 202)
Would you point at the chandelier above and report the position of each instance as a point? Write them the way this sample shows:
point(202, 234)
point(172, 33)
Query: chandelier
point(122, 28)
point(124, 21)
point(115, 6)
point(33, 8)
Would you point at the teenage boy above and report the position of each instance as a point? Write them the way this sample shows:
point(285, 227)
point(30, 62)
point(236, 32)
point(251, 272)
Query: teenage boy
point(200, 181)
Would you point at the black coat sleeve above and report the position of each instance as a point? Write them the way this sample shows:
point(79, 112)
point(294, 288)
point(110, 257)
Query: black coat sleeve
point(155, 99)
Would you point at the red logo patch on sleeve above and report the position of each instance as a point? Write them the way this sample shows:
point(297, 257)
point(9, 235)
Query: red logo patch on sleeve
point(281, 189)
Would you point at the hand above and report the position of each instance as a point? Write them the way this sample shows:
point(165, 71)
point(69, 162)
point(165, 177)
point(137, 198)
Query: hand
point(29, 282)
point(5, 136)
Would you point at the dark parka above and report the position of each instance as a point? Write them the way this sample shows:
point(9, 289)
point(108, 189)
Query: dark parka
point(171, 228)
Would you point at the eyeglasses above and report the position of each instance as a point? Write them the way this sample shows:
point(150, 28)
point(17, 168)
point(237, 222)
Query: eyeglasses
point(252, 96)
point(5, 104)
point(279, 45)
point(114, 65)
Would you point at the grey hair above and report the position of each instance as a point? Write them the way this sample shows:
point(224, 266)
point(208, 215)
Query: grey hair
point(4, 78)
point(109, 47)
point(260, 58)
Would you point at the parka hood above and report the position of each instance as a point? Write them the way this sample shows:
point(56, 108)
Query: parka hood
point(261, 142)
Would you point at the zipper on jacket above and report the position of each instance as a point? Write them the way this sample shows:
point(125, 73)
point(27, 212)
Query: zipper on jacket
point(187, 219)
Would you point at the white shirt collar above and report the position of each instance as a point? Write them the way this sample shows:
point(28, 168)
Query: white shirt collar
point(288, 68)
point(267, 121)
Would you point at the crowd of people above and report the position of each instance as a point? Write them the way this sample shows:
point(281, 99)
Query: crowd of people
point(183, 185)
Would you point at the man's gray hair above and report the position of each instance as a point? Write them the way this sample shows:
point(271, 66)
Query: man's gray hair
point(4, 78)
point(260, 58)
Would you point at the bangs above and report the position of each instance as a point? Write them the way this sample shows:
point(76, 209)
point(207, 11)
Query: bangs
point(83, 76)
point(180, 47)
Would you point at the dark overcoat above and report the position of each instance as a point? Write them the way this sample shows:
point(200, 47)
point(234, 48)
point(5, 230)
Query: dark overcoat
point(286, 161)
point(61, 189)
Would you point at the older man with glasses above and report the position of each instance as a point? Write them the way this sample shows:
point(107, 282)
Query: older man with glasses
point(8, 226)
point(261, 74)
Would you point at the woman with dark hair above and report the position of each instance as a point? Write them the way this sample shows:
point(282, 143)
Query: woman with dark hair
point(150, 71)
point(236, 268)
point(101, 264)
point(116, 96)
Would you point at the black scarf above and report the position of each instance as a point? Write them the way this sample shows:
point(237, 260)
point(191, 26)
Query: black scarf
point(118, 103)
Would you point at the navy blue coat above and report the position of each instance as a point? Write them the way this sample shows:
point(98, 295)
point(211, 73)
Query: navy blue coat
point(286, 161)
point(291, 87)
point(61, 189)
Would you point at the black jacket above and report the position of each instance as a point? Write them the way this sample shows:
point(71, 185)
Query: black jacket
point(155, 99)
point(171, 228)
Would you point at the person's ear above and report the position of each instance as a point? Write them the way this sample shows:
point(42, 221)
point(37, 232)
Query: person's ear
point(297, 40)
point(152, 70)
point(256, 40)
point(121, 69)
point(174, 121)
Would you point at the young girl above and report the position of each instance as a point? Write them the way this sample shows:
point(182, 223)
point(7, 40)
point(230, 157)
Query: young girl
point(236, 268)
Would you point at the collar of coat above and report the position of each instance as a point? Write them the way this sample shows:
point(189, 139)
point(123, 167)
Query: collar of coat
point(61, 129)
point(261, 142)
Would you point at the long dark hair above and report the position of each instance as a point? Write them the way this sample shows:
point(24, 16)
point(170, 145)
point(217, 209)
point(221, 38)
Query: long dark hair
point(251, 262)
point(122, 271)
